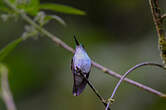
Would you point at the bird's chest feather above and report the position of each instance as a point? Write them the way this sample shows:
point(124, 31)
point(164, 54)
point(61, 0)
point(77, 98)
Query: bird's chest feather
point(82, 61)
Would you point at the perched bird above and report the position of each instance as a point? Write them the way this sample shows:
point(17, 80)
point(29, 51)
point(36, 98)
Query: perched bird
point(82, 62)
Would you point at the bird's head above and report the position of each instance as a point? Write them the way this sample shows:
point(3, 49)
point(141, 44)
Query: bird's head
point(78, 45)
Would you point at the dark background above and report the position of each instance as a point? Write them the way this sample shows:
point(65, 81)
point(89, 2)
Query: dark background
point(116, 33)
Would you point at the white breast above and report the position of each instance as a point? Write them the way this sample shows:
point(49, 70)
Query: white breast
point(82, 61)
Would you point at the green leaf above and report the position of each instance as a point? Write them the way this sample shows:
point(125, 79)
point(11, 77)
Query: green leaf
point(13, 1)
point(61, 8)
point(1, 2)
point(5, 9)
point(7, 49)
point(2, 8)
point(57, 18)
point(31, 7)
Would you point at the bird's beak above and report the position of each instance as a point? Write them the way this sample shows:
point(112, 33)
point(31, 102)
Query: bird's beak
point(76, 41)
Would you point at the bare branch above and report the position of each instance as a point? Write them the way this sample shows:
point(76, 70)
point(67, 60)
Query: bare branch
point(5, 89)
point(112, 73)
point(163, 17)
point(65, 46)
point(125, 75)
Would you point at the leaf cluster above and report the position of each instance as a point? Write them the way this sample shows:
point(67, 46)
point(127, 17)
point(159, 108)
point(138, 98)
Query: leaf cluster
point(34, 8)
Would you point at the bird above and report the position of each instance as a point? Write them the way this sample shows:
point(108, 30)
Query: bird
point(82, 62)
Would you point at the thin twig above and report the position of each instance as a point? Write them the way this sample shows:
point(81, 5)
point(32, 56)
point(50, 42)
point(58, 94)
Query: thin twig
point(127, 73)
point(5, 89)
point(163, 17)
point(156, 14)
point(112, 73)
point(65, 46)
point(93, 88)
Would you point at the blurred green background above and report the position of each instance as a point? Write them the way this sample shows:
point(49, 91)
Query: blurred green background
point(116, 33)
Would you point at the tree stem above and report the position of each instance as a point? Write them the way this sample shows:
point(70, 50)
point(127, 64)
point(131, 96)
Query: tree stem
point(5, 89)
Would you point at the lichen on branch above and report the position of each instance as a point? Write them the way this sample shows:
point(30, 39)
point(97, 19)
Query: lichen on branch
point(158, 21)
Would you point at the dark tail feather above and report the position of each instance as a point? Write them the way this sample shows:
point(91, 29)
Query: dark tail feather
point(79, 84)
point(78, 89)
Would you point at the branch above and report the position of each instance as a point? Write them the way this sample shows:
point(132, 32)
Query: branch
point(163, 17)
point(68, 48)
point(5, 89)
point(125, 75)
point(158, 21)
point(93, 88)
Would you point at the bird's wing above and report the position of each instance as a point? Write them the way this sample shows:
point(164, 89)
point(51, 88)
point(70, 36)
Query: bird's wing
point(79, 87)
point(74, 74)
point(72, 67)
point(79, 81)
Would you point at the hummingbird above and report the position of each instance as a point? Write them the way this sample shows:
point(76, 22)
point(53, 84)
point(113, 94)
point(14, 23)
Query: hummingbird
point(82, 62)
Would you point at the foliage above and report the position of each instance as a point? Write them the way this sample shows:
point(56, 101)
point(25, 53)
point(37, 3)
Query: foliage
point(33, 8)
point(61, 8)
point(7, 49)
